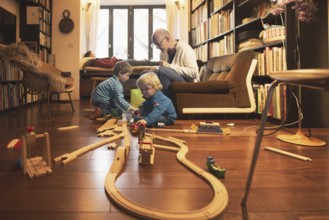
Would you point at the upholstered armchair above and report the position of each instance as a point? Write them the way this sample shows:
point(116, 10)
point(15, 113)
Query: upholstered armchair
point(225, 87)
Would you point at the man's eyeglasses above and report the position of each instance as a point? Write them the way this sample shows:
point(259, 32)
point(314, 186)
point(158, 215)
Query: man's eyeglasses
point(159, 44)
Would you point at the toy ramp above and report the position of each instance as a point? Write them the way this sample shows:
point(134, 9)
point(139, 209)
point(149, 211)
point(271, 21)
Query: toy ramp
point(210, 211)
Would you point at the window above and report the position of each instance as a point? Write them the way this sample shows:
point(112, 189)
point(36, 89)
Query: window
point(125, 31)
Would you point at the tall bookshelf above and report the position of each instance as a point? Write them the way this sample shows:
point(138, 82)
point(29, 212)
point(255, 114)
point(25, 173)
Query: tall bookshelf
point(35, 26)
point(223, 27)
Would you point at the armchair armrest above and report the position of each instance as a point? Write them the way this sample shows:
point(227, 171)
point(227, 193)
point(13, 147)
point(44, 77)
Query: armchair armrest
point(207, 87)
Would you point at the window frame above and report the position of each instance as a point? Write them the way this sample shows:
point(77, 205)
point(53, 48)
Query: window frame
point(130, 42)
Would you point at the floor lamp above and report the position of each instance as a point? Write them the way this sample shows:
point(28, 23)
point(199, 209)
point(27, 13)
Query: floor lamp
point(300, 138)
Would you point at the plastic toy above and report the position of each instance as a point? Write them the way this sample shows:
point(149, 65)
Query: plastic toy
point(214, 168)
point(14, 144)
point(209, 127)
point(133, 127)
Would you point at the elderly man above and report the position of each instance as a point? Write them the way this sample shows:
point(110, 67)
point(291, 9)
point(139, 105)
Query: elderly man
point(180, 64)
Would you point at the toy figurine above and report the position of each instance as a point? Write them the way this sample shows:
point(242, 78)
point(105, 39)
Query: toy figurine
point(214, 168)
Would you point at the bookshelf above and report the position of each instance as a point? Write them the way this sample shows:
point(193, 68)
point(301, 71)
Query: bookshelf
point(35, 26)
point(11, 85)
point(223, 27)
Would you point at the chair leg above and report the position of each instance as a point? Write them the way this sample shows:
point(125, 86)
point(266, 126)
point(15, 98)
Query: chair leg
point(48, 103)
point(41, 101)
point(70, 101)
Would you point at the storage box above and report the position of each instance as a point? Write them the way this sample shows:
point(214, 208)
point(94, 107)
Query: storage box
point(274, 34)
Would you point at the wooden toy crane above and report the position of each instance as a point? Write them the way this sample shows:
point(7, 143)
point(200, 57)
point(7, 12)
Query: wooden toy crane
point(36, 166)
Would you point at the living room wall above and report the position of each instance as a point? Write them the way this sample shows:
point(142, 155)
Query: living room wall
point(67, 47)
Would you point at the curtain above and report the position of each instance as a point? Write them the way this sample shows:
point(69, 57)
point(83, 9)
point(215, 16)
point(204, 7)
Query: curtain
point(173, 19)
point(91, 24)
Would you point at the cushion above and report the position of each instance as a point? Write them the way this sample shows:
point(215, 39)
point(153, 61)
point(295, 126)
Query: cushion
point(208, 87)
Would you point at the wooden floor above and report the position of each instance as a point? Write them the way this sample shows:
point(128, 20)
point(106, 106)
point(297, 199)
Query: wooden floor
point(283, 187)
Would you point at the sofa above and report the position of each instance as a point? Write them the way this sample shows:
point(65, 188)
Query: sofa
point(224, 87)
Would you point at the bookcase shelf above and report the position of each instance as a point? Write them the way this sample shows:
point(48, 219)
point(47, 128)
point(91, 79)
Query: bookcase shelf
point(11, 86)
point(223, 27)
point(35, 26)
point(35, 31)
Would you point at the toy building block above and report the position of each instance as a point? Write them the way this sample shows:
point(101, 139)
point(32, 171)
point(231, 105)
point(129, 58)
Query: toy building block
point(68, 128)
point(110, 124)
point(214, 168)
point(14, 144)
point(106, 133)
point(37, 166)
point(117, 129)
point(209, 127)
point(146, 152)
point(112, 146)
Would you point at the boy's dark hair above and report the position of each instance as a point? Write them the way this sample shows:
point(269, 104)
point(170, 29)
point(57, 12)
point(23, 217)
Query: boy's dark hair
point(87, 54)
point(122, 67)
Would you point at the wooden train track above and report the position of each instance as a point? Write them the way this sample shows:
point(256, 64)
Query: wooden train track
point(210, 211)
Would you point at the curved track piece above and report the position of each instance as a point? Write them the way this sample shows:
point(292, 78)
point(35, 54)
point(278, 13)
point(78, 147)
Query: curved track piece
point(210, 211)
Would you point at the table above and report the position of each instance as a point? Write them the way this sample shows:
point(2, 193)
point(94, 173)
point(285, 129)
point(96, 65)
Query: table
point(311, 78)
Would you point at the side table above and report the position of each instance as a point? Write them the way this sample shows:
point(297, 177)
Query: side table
point(311, 78)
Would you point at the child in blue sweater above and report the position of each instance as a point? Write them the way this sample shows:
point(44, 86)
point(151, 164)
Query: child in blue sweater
point(108, 96)
point(157, 108)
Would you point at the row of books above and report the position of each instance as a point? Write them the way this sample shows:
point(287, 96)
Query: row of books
point(199, 16)
point(45, 3)
point(45, 15)
point(45, 56)
point(200, 34)
point(278, 104)
point(10, 94)
point(271, 59)
point(45, 40)
point(222, 47)
point(9, 72)
point(196, 3)
point(44, 27)
point(261, 9)
point(202, 52)
point(221, 22)
point(218, 4)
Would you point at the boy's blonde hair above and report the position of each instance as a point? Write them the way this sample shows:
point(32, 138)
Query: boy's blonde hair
point(122, 67)
point(151, 79)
